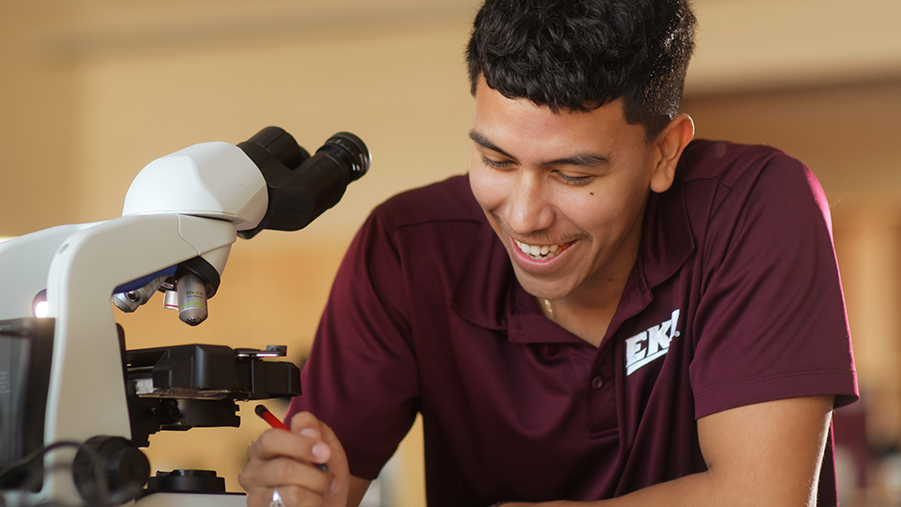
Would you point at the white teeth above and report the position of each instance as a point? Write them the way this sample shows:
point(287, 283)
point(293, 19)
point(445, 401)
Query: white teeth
point(538, 252)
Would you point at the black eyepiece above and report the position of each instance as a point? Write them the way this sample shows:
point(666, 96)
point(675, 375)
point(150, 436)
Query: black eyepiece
point(352, 149)
point(298, 194)
point(280, 145)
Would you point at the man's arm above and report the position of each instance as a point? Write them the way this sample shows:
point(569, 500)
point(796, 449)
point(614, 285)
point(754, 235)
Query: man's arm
point(764, 454)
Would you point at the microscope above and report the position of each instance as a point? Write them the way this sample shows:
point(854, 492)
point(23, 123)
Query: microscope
point(75, 405)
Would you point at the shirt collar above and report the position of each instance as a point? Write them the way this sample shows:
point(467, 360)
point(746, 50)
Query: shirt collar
point(483, 291)
point(667, 240)
point(666, 244)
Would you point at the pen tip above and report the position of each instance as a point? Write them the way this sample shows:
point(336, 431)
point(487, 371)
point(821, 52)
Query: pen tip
point(260, 410)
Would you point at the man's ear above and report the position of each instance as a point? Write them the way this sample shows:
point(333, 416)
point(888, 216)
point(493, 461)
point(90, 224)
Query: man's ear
point(668, 148)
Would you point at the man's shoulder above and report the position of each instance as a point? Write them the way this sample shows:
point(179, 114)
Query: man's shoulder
point(732, 179)
point(448, 200)
point(730, 162)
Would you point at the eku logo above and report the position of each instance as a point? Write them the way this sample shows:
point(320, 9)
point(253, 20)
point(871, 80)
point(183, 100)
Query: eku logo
point(648, 345)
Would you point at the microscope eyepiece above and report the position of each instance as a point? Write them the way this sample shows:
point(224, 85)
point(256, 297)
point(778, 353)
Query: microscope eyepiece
point(352, 151)
point(299, 194)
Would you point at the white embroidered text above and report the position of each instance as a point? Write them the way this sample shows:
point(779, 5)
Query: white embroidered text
point(648, 345)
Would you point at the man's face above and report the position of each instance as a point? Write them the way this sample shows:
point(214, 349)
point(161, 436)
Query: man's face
point(565, 192)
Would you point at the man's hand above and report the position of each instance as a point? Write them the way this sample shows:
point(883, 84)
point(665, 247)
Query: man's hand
point(286, 460)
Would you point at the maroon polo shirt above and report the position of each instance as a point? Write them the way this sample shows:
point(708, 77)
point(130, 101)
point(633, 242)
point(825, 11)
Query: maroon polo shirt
point(735, 299)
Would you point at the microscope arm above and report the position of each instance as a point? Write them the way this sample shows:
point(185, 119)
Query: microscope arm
point(81, 277)
point(87, 394)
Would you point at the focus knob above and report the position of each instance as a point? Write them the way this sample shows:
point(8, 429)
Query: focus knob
point(110, 470)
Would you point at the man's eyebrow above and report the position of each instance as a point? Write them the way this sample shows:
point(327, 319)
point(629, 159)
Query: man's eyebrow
point(575, 160)
point(579, 160)
point(485, 143)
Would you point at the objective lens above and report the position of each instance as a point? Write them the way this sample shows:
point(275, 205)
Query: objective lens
point(192, 308)
point(170, 299)
point(130, 301)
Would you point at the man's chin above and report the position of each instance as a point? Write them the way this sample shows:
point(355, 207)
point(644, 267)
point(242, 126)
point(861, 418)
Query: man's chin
point(540, 287)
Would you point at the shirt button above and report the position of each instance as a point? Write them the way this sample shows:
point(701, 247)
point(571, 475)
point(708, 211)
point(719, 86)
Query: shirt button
point(597, 382)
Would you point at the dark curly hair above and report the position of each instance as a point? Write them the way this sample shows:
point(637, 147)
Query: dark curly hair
point(577, 55)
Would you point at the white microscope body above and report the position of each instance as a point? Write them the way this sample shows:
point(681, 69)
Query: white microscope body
point(191, 203)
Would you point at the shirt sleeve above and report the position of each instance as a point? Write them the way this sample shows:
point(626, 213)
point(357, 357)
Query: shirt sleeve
point(771, 321)
point(361, 376)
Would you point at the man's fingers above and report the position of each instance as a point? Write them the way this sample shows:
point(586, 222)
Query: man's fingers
point(337, 492)
point(305, 423)
point(299, 497)
point(275, 443)
point(297, 482)
point(284, 460)
point(279, 471)
point(291, 496)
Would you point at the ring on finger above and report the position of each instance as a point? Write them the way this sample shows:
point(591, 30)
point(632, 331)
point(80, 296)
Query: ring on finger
point(276, 499)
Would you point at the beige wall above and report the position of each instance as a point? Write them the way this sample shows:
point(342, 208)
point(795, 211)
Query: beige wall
point(92, 90)
point(39, 106)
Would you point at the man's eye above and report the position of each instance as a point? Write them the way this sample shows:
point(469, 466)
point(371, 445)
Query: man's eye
point(495, 163)
point(574, 180)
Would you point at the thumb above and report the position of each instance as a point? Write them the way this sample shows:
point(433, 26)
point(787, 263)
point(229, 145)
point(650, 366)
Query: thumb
point(338, 466)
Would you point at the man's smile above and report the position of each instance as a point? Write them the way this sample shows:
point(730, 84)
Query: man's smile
point(541, 252)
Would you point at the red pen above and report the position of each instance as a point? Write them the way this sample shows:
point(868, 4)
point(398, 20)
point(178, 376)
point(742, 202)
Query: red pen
point(273, 421)
point(269, 418)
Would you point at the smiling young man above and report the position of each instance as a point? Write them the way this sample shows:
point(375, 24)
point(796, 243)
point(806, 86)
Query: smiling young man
point(566, 194)
point(603, 311)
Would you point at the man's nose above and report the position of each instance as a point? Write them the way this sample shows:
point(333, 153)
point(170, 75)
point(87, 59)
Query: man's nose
point(528, 205)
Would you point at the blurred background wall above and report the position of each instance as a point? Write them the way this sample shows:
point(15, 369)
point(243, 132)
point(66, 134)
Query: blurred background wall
point(93, 90)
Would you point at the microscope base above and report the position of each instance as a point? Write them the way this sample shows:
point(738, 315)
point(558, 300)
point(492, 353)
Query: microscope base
point(193, 500)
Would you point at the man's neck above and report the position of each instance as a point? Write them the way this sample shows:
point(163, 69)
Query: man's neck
point(587, 314)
